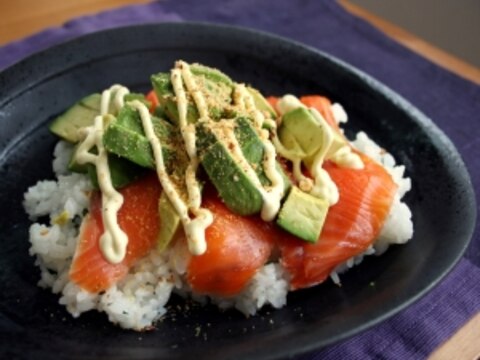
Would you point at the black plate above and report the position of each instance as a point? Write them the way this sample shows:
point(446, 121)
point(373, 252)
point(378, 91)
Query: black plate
point(35, 90)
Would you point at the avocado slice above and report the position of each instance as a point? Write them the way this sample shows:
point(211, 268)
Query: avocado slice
point(82, 114)
point(164, 89)
point(303, 215)
point(129, 144)
point(300, 130)
point(231, 181)
point(79, 115)
point(125, 137)
point(169, 222)
point(216, 86)
point(261, 103)
point(252, 149)
point(218, 90)
point(211, 74)
point(233, 185)
point(338, 141)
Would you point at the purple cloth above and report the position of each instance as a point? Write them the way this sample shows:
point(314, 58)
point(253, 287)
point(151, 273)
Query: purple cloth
point(416, 331)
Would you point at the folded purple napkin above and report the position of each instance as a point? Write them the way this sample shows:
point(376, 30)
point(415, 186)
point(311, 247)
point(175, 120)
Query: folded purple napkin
point(452, 102)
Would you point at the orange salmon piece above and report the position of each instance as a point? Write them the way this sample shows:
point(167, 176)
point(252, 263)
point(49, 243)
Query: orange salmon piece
point(237, 247)
point(138, 218)
point(351, 226)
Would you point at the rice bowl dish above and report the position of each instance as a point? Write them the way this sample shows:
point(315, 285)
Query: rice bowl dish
point(139, 298)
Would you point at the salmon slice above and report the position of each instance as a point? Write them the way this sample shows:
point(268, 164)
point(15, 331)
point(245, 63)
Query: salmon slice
point(350, 228)
point(237, 247)
point(138, 218)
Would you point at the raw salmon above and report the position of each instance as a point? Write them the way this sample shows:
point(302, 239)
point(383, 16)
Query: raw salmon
point(350, 228)
point(138, 218)
point(237, 247)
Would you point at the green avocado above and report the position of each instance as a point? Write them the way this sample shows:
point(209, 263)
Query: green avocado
point(216, 87)
point(339, 140)
point(303, 215)
point(231, 181)
point(164, 90)
point(211, 74)
point(125, 137)
point(129, 144)
point(233, 185)
point(300, 130)
point(252, 149)
point(82, 114)
point(79, 115)
point(169, 222)
point(261, 103)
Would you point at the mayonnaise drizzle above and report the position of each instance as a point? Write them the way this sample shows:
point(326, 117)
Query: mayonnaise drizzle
point(113, 242)
point(194, 228)
point(346, 158)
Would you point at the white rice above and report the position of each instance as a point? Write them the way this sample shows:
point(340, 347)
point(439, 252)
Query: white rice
point(398, 227)
point(140, 299)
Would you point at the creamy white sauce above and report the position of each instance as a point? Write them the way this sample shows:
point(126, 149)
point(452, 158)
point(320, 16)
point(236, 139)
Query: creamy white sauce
point(113, 242)
point(193, 89)
point(238, 98)
point(258, 117)
point(194, 227)
point(344, 157)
